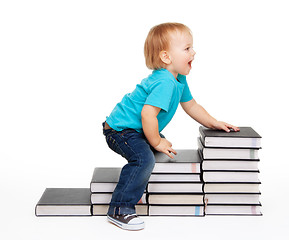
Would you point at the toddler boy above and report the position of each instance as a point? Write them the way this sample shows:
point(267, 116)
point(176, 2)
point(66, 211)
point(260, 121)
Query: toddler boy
point(133, 127)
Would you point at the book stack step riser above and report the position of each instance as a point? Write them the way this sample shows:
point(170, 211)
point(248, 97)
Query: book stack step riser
point(230, 171)
point(175, 187)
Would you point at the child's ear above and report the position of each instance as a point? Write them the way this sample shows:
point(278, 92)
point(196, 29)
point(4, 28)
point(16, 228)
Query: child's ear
point(164, 56)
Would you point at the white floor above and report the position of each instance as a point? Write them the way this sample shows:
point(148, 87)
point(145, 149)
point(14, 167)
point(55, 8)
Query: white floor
point(266, 227)
point(18, 221)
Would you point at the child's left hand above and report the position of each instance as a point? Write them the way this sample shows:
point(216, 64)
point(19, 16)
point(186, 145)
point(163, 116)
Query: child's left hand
point(225, 126)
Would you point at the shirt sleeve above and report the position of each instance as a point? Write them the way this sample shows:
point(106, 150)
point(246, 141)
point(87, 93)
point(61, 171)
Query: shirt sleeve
point(186, 96)
point(160, 95)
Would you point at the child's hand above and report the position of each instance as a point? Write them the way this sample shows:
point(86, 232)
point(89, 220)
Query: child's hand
point(165, 147)
point(225, 126)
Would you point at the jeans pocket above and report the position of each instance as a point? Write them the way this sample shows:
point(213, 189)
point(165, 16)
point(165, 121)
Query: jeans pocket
point(113, 143)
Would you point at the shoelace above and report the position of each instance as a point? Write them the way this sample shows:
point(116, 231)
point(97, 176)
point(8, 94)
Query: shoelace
point(129, 215)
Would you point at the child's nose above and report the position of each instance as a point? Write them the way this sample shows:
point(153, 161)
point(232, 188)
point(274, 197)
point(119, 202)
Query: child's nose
point(193, 52)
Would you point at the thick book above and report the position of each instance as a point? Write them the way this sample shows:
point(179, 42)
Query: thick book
point(247, 137)
point(232, 198)
point(101, 209)
point(237, 209)
point(227, 153)
point(186, 161)
point(176, 210)
point(176, 199)
point(231, 176)
point(64, 202)
point(232, 187)
point(230, 164)
point(105, 198)
point(178, 177)
point(164, 187)
point(104, 179)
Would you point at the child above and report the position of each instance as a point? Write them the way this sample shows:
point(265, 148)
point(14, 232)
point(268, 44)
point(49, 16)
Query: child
point(133, 127)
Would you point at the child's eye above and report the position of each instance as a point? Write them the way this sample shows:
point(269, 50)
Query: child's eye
point(187, 49)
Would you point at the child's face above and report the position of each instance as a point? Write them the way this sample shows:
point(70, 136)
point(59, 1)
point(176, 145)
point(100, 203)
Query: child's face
point(181, 53)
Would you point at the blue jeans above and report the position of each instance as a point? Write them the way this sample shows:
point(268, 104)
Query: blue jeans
point(134, 147)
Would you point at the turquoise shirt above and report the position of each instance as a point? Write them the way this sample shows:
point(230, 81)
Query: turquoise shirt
point(160, 89)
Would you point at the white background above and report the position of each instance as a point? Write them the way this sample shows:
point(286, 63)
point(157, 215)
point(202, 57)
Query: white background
point(65, 64)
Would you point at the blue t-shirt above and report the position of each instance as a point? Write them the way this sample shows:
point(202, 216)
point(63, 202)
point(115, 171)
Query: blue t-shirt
point(160, 89)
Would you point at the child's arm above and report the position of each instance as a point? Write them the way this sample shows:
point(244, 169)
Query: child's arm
point(150, 126)
point(197, 112)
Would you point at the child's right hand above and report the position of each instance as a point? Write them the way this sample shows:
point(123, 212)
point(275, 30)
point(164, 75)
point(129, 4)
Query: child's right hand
point(166, 147)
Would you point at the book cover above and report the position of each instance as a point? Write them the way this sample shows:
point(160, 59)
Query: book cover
point(247, 137)
point(186, 161)
point(64, 202)
point(104, 179)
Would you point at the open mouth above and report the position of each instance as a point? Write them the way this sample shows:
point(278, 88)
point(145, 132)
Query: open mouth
point(190, 63)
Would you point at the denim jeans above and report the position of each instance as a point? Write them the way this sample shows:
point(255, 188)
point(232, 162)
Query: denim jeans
point(134, 147)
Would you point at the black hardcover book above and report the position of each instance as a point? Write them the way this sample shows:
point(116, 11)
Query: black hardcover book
point(247, 137)
point(233, 209)
point(229, 187)
point(104, 179)
point(105, 198)
point(175, 187)
point(232, 198)
point(227, 153)
point(230, 164)
point(101, 209)
point(64, 202)
point(186, 161)
point(231, 176)
point(176, 198)
point(176, 210)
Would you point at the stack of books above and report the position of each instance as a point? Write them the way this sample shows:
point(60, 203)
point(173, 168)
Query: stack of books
point(230, 171)
point(175, 187)
point(220, 178)
point(103, 183)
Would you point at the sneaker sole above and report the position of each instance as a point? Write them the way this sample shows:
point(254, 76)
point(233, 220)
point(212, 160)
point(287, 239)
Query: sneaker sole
point(125, 226)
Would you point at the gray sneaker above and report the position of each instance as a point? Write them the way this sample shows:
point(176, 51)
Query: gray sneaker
point(126, 221)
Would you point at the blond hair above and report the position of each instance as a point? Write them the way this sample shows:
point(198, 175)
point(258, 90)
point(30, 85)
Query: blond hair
point(158, 40)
